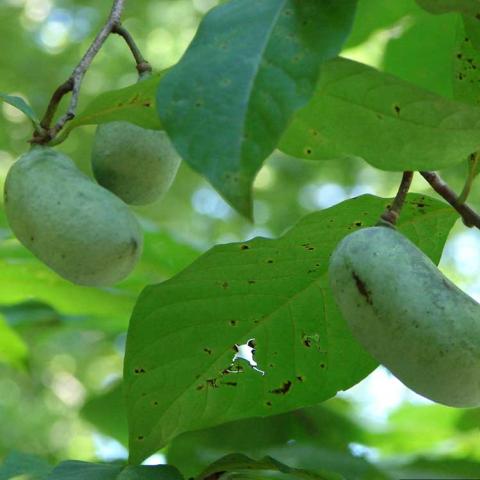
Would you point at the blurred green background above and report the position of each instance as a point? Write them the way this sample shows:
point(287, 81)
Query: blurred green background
point(61, 345)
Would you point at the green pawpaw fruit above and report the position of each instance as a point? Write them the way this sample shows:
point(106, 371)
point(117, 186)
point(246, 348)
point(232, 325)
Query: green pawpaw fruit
point(137, 164)
point(408, 315)
point(79, 229)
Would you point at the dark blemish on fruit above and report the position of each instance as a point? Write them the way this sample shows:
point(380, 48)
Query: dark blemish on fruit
point(397, 109)
point(301, 378)
point(147, 104)
point(144, 394)
point(138, 371)
point(134, 244)
point(358, 224)
point(140, 437)
point(155, 403)
point(307, 341)
point(251, 282)
point(244, 247)
point(225, 285)
point(283, 390)
point(308, 151)
point(233, 323)
point(271, 365)
point(200, 387)
point(32, 238)
point(322, 365)
point(362, 288)
point(269, 261)
point(314, 132)
point(207, 350)
point(268, 404)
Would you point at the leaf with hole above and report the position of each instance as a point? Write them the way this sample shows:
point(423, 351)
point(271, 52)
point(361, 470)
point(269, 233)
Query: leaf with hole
point(178, 367)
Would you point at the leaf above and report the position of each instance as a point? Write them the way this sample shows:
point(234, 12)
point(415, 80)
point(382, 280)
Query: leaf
point(466, 66)
point(358, 111)
point(75, 470)
point(467, 7)
point(134, 104)
point(24, 278)
point(237, 462)
point(318, 426)
point(23, 106)
point(13, 349)
point(108, 413)
point(250, 66)
point(23, 466)
point(182, 333)
point(410, 57)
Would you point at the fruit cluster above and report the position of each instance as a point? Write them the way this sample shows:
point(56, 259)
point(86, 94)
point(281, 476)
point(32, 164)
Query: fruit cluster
point(84, 230)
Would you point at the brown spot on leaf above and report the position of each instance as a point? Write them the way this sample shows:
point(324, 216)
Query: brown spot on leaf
point(283, 390)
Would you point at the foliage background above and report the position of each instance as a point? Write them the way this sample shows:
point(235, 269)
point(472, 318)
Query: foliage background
point(61, 346)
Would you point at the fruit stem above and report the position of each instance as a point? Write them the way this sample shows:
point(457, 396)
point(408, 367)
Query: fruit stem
point(469, 216)
point(472, 172)
point(391, 214)
point(74, 82)
point(143, 67)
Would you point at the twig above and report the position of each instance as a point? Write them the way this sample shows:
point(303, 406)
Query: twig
point(75, 80)
point(469, 216)
point(142, 65)
point(391, 214)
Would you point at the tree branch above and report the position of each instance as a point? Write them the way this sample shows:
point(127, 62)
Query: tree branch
point(142, 65)
point(74, 82)
point(469, 216)
point(391, 214)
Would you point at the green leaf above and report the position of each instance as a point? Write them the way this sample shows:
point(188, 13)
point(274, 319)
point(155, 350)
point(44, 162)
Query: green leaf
point(468, 7)
point(134, 104)
point(22, 466)
point(317, 426)
point(75, 470)
point(13, 349)
point(358, 111)
point(249, 68)
point(240, 463)
point(108, 413)
point(182, 333)
point(410, 56)
point(23, 106)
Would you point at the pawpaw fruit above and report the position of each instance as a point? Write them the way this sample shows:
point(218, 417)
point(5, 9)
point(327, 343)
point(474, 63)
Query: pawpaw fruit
point(79, 229)
point(408, 315)
point(136, 164)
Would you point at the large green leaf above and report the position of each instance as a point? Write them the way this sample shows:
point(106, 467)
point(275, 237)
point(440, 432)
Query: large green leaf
point(468, 7)
point(182, 333)
point(358, 111)
point(134, 104)
point(251, 65)
point(74, 470)
point(22, 466)
point(13, 349)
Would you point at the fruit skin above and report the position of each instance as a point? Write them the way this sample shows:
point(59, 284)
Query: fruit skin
point(137, 164)
point(408, 315)
point(80, 230)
